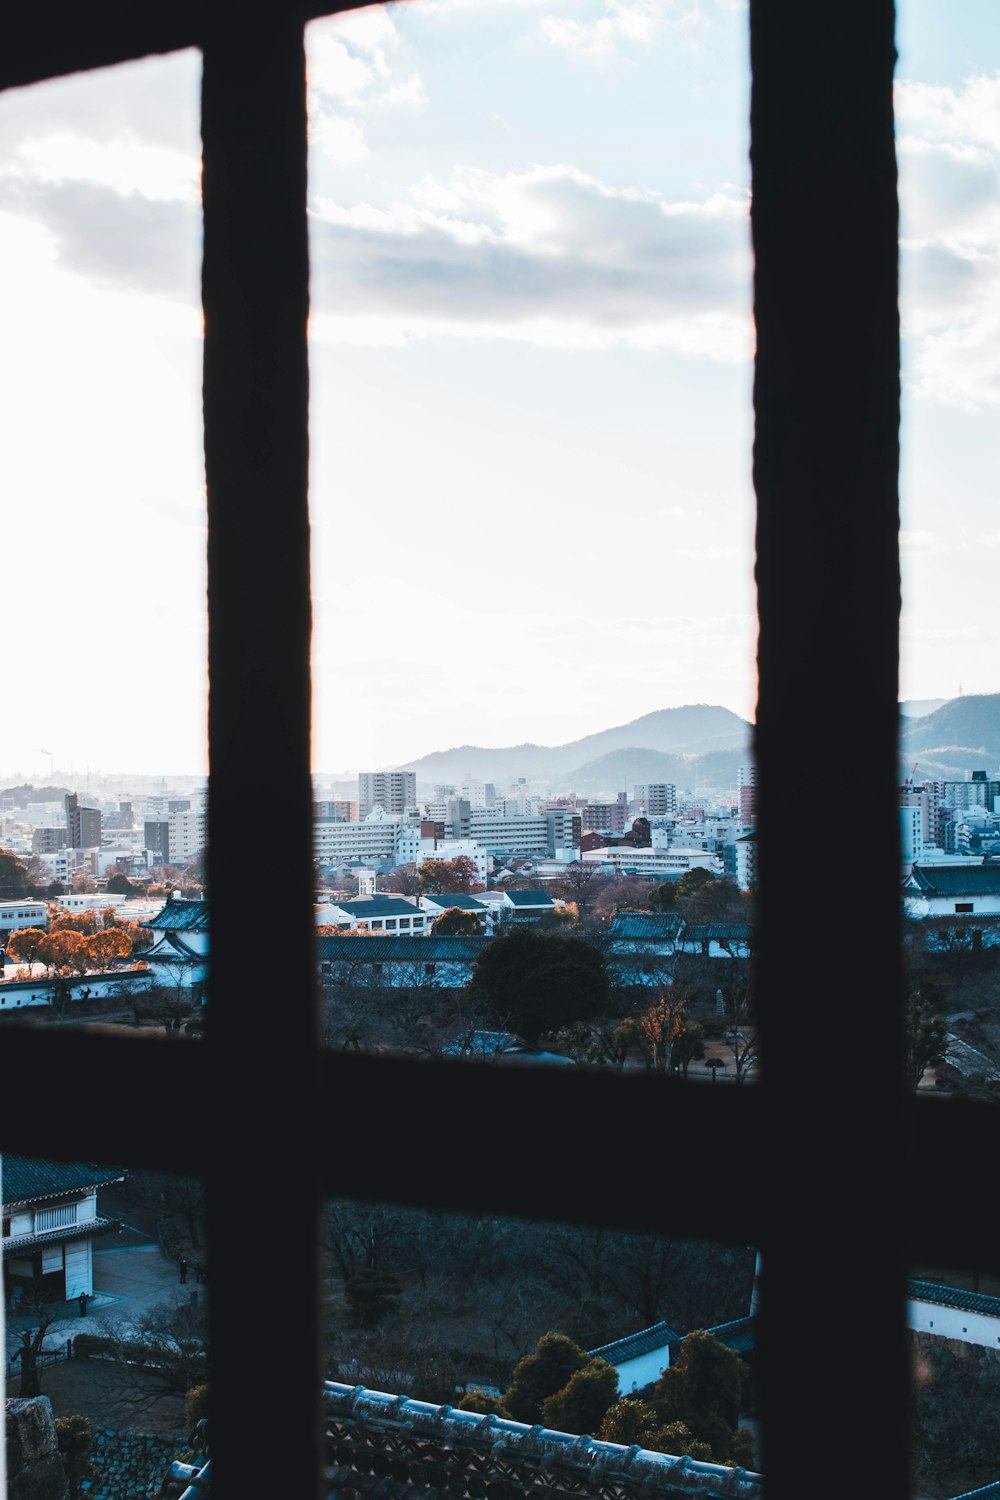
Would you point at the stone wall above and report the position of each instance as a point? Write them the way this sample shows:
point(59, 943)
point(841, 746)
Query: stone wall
point(130, 1465)
point(34, 1468)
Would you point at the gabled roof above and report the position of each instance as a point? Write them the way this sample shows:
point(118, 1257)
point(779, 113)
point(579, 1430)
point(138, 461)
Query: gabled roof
point(378, 906)
point(464, 903)
point(646, 1341)
point(408, 948)
point(954, 880)
point(171, 946)
point(27, 1177)
point(529, 898)
point(181, 916)
point(953, 1296)
point(646, 924)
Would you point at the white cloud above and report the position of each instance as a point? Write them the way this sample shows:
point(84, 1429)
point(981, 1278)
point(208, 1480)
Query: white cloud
point(949, 162)
point(339, 139)
point(353, 63)
point(623, 22)
point(127, 165)
point(922, 542)
point(550, 255)
point(937, 112)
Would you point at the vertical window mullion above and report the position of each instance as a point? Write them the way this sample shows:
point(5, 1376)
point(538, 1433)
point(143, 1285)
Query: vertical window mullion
point(825, 462)
point(255, 291)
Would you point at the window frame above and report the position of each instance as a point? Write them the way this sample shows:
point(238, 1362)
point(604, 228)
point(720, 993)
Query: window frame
point(838, 1226)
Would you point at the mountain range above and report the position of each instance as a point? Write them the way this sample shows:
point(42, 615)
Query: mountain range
point(962, 735)
point(701, 746)
point(671, 744)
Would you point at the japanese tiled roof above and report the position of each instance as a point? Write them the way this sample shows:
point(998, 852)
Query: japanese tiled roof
point(529, 898)
point(739, 1335)
point(378, 906)
point(410, 949)
point(358, 1421)
point(718, 932)
point(955, 880)
point(181, 916)
point(646, 924)
point(26, 1177)
point(953, 1296)
point(464, 903)
point(646, 1341)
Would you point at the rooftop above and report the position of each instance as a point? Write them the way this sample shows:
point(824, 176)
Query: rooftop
point(646, 924)
point(507, 1456)
point(463, 902)
point(646, 1341)
point(27, 1177)
point(365, 907)
point(181, 916)
point(953, 1296)
point(412, 948)
point(529, 898)
point(967, 879)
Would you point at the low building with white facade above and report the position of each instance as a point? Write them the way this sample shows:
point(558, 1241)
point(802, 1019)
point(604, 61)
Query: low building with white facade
point(967, 889)
point(641, 1358)
point(436, 906)
point(399, 962)
point(89, 901)
point(50, 1221)
point(948, 1312)
point(17, 915)
point(377, 914)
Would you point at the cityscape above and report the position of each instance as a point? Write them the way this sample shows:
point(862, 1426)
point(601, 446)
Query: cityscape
point(515, 923)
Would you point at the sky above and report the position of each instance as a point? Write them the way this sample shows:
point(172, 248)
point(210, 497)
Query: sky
point(531, 356)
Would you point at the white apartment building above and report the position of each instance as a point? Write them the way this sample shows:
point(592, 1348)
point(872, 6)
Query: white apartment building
point(661, 864)
point(911, 829)
point(545, 835)
point(373, 840)
point(187, 835)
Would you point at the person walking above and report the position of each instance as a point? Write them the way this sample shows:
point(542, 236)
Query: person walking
point(184, 1269)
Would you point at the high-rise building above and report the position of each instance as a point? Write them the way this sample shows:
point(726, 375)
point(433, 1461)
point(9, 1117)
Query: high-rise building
point(657, 799)
point(83, 824)
point(746, 785)
point(393, 791)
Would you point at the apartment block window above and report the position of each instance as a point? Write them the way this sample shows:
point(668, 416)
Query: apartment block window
point(825, 1165)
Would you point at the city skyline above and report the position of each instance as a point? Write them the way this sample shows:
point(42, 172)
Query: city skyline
point(531, 369)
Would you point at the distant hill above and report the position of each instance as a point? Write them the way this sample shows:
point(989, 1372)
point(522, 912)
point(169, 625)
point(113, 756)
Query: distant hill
point(962, 735)
point(619, 770)
point(690, 730)
point(915, 708)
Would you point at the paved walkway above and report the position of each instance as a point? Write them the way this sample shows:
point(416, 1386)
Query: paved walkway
point(129, 1279)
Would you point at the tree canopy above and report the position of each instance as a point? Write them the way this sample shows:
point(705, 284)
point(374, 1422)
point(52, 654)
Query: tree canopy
point(692, 1409)
point(540, 1375)
point(460, 875)
point(14, 878)
point(456, 922)
point(536, 983)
